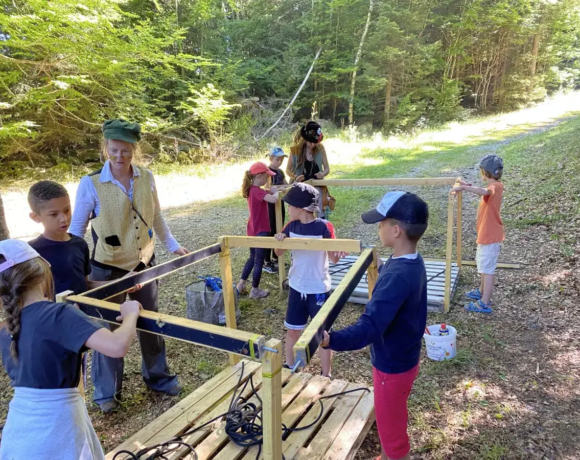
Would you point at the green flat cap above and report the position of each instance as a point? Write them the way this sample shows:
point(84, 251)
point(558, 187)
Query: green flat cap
point(121, 130)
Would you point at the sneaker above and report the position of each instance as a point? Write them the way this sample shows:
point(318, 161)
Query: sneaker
point(257, 293)
point(478, 307)
point(175, 390)
point(109, 406)
point(269, 268)
point(474, 295)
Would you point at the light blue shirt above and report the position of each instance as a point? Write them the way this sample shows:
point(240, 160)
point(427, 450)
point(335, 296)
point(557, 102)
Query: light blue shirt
point(87, 202)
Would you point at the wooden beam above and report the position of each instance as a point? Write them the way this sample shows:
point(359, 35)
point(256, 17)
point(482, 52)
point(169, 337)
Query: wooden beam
point(473, 263)
point(220, 338)
point(459, 230)
point(61, 297)
point(282, 258)
point(310, 339)
point(306, 244)
point(383, 182)
point(448, 253)
point(373, 273)
point(151, 274)
point(272, 401)
point(228, 290)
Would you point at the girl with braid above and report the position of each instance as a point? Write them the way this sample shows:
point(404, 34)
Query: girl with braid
point(42, 344)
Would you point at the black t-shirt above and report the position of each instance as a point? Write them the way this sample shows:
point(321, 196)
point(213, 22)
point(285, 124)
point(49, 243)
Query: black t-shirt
point(278, 179)
point(310, 169)
point(52, 338)
point(69, 262)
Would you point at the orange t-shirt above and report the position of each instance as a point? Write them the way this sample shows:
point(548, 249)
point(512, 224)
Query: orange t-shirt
point(489, 224)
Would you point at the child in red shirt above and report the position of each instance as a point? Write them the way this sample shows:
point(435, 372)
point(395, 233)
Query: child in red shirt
point(258, 223)
point(490, 231)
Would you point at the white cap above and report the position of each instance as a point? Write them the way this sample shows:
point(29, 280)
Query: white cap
point(15, 252)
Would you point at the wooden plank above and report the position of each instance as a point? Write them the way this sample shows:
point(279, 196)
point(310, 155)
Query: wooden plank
point(473, 263)
point(373, 273)
point(121, 285)
point(308, 395)
point(187, 330)
point(383, 182)
point(310, 339)
point(143, 436)
point(297, 439)
point(282, 258)
point(448, 253)
point(218, 437)
point(289, 392)
point(345, 445)
point(272, 401)
point(305, 244)
point(228, 290)
point(332, 426)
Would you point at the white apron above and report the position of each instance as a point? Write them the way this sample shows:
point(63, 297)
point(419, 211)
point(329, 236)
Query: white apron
point(49, 425)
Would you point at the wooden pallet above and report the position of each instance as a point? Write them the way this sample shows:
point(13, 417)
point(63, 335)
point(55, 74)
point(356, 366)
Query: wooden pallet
point(435, 287)
point(337, 436)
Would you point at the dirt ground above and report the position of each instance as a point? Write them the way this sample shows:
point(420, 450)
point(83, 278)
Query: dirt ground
point(511, 393)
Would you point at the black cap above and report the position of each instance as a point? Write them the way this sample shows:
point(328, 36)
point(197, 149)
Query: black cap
point(302, 196)
point(312, 132)
point(403, 206)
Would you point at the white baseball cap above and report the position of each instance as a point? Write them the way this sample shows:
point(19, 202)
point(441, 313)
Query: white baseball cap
point(15, 252)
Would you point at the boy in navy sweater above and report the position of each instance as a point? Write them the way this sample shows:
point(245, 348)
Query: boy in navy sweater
point(394, 319)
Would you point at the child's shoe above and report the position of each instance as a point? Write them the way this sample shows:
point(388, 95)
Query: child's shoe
point(269, 268)
point(479, 307)
point(257, 293)
point(474, 295)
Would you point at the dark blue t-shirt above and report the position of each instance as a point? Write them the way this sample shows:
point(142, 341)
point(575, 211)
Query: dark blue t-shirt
point(52, 338)
point(394, 320)
point(69, 262)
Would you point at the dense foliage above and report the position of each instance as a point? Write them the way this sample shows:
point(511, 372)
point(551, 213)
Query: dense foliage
point(198, 72)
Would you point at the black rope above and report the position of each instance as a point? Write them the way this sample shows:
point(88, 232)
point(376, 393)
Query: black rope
point(243, 425)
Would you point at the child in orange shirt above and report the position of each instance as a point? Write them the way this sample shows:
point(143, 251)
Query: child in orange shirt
point(490, 231)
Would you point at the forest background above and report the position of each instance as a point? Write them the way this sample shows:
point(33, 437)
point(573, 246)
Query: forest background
point(207, 78)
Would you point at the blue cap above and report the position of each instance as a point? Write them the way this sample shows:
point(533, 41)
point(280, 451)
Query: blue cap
point(277, 152)
point(403, 206)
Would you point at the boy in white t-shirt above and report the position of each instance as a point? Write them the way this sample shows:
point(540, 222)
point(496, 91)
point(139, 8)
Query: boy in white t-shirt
point(309, 277)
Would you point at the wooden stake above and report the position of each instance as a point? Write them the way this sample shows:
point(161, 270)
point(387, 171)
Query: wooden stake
point(272, 401)
point(61, 297)
point(282, 258)
point(459, 226)
point(228, 290)
point(373, 273)
point(448, 254)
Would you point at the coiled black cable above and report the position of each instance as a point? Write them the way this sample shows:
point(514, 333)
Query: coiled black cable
point(243, 425)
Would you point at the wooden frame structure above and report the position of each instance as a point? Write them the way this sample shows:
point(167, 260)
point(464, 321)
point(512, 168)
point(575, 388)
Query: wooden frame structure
point(244, 344)
point(432, 181)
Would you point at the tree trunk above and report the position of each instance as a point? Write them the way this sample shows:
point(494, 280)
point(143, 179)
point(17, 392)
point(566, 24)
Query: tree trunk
point(356, 60)
point(387, 112)
point(4, 234)
point(534, 62)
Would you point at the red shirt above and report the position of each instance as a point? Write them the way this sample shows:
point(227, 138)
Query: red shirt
point(489, 224)
point(258, 221)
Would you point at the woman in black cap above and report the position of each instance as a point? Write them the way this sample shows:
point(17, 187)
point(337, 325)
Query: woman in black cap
point(120, 200)
point(308, 158)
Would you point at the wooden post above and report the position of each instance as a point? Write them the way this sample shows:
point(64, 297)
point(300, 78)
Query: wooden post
point(228, 290)
point(282, 258)
point(61, 298)
point(272, 401)
point(459, 224)
point(448, 253)
point(373, 272)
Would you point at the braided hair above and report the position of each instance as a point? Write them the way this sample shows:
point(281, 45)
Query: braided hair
point(14, 282)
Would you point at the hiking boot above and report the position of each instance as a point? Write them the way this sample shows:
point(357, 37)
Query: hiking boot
point(108, 406)
point(257, 293)
point(269, 268)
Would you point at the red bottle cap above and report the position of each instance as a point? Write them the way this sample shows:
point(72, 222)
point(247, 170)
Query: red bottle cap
point(443, 326)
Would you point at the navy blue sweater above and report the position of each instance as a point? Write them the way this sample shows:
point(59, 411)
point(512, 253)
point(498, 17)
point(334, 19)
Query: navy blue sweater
point(394, 319)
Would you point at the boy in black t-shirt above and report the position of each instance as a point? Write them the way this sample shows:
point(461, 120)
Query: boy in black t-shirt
point(67, 254)
point(276, 157)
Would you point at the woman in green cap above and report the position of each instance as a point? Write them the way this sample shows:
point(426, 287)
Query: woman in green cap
point(121, 202)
